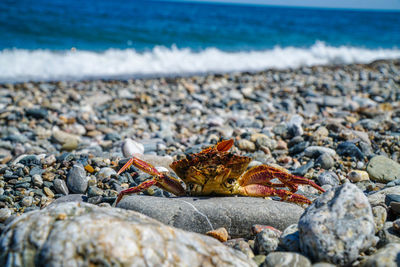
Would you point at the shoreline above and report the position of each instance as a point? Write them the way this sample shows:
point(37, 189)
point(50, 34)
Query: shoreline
point(125, 78)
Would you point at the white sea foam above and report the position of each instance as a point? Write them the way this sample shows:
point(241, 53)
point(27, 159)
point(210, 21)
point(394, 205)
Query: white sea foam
point(23, 65)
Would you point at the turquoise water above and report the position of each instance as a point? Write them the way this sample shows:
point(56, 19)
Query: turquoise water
point(83, 39)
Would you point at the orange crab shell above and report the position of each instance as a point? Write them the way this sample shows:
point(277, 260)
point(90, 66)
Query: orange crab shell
point(211, 171)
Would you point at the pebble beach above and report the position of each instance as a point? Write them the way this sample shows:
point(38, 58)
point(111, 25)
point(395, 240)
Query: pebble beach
point(62, 143)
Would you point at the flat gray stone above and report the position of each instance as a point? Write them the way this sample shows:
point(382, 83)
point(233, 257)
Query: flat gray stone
point(81, 234)
point(337, 226)
point(236, 214)
point(382, 169)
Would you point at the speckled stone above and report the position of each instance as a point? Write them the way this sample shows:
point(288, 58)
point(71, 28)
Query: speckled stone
point(337, 226)
point(108, 236)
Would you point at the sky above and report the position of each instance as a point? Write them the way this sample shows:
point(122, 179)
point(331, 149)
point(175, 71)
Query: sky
point(352, 4)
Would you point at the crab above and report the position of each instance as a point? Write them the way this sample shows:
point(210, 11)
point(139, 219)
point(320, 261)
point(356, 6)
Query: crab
point(216, 171)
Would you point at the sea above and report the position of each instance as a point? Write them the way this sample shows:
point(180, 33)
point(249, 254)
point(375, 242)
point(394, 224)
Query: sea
point(47, 40)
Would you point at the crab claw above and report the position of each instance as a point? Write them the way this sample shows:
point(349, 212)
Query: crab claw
point(141, 165)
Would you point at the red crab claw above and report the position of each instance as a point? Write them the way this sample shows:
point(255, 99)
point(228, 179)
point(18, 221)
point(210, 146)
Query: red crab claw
point(222, 146)
point(259, 190)
point(262, 174)
point(141, 165)
point(161, 180)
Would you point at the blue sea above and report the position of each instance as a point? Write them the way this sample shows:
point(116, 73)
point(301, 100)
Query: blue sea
point(75, 39)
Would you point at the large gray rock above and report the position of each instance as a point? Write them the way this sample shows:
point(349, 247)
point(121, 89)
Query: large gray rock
point(236, 214)
point(382, 169)
point(81, 234)
point(337, 226)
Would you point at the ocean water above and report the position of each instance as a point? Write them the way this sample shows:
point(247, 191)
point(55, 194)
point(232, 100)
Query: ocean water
point(58, 39)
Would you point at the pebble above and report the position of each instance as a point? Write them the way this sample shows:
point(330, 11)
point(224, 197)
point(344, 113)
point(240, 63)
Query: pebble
point(246, 145)
point(382, 169)
point(325, 161)
point(388, 235)
point(358, 176)
point(348, 149)
point(27, 201)
point(380, 216)
point(321, 133)
point(242, 245)
point(48, 192)
point(290, 239)
point(316, 151)
point(131, 147)
point(283, 259)
point(5, 213)
point(76, 180)
point(60, 186)
point(37, 180)
point(328, 178)
point(105, 173)
point(266, 241)
point(220, 234)
point(384, 257)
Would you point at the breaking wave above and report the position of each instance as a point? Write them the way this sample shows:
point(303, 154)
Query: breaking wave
point(17, 65)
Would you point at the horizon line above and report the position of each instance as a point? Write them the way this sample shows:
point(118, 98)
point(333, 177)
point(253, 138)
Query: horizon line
point(222, 2)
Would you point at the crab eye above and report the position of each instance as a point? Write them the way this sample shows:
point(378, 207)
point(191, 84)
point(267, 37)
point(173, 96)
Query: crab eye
point(231, 181)
point(191, 186)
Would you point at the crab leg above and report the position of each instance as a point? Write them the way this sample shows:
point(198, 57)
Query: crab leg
point(161, 180)
point(262, 174)
point(259, 190)
point(143, 186)
point(141, 165)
